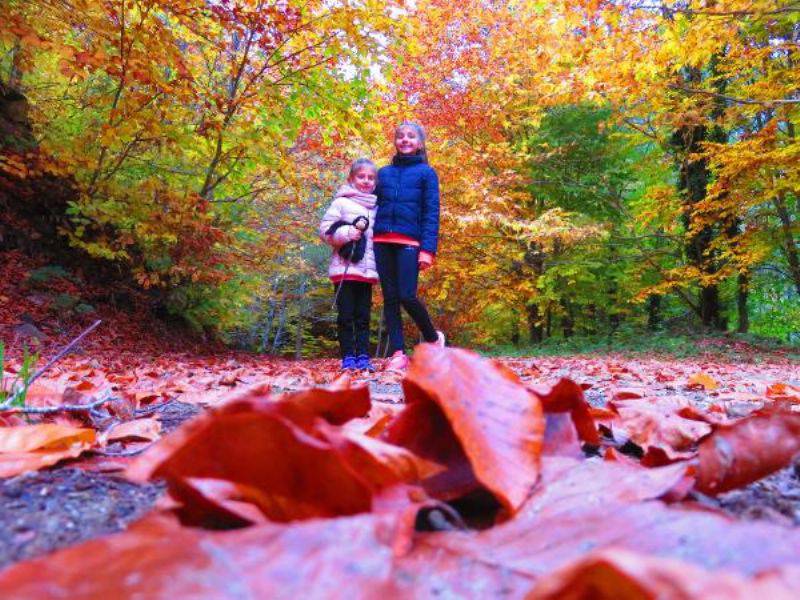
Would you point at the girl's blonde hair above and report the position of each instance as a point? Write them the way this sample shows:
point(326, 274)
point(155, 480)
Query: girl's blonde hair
point(420, 131)
point(358, 164)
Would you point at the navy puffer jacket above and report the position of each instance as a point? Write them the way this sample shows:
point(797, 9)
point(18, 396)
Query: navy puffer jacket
point(408, 201)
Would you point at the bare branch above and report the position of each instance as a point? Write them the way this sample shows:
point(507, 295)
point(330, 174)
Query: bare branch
point(51, 410)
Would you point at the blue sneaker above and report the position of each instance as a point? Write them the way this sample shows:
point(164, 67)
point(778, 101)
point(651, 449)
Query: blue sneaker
point(362, 362)
point(349, 363)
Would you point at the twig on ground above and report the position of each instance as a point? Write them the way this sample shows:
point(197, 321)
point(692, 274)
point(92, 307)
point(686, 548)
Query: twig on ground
point(49, 410)
point(132, 452)
point(8, 405)
point(61, 353)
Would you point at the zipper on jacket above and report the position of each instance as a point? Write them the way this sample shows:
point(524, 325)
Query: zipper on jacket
point(396, 196)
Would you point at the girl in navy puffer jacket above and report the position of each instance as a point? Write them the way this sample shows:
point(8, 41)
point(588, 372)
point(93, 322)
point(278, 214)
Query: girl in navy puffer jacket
point(406, 235)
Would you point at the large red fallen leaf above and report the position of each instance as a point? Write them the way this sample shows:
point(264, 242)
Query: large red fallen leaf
point(31, 447)
point(292, 463)
point(158, 559)
point(595, 507)
point(475, 418)
point(575, 512)
point(570, 484)
point(620, 575)
point(348, 557)
point(747, 450)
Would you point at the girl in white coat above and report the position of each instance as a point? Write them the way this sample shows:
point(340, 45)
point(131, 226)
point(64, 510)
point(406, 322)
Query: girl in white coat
point(347, 227)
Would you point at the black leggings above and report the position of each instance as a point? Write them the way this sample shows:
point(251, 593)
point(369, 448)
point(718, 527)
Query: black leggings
point(399, 271)
point(354, 305)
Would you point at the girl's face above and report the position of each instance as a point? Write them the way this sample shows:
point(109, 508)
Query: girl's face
point(364, 180)
point(407, 141)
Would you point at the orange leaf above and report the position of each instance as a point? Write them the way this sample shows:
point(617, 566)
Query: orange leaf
point(295, 463)
point(144, 429)
point(747, 450)
point(659, 429)
point(580, 505)
point(704, 380)
point(45, 436)
point(621, 575)
point(32, 447)
point(478, 420)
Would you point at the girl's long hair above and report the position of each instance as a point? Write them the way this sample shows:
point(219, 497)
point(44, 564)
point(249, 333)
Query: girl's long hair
point(420, 131)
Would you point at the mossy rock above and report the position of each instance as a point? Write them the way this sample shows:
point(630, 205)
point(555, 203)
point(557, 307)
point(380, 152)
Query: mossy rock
point(65, 302)
point(47, 273)
point(84, 309)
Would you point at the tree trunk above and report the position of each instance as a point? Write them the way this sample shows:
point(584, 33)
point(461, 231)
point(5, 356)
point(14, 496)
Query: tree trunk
point(568, 320)
point(535, 326)
point(789, 244)
point(534, 257)
point(515, 334)
point(694, 176)
point(711, 307)
point(653, 311)
point(281, 324)
point(15, 74)
point(270, 319)
point(742, 289)
point(589, 325)
point(549, 321)
point(298, 337)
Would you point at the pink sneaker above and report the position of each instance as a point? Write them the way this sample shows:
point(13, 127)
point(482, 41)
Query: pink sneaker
point(440, 341)
point(398, 362)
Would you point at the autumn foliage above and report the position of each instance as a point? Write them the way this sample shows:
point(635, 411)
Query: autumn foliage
point(603, 164)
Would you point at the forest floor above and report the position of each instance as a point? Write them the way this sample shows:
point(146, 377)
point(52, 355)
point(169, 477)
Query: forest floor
point(87, 497)
point(161, 380)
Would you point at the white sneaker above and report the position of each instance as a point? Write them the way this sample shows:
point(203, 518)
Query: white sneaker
point(440, 341)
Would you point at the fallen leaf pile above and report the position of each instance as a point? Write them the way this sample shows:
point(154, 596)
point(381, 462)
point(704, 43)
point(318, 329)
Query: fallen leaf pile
point(561, 478)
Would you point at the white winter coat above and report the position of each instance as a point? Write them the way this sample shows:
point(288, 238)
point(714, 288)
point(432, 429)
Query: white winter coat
point(347, 206)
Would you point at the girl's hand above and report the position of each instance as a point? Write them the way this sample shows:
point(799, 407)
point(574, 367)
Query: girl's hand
point(425, 260)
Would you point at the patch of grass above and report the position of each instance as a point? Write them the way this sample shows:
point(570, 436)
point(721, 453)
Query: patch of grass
point(638, 343)
point(15, 391)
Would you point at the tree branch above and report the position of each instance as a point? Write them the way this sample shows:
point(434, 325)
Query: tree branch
point(768, 103)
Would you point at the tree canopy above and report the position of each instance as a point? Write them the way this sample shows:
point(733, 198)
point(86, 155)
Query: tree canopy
point(603, 163)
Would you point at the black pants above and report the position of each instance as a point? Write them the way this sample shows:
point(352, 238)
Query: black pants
point(399, 273)
point(354, 305)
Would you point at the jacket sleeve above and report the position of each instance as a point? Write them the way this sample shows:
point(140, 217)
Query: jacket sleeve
point(429, 237)
point(341, 235)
